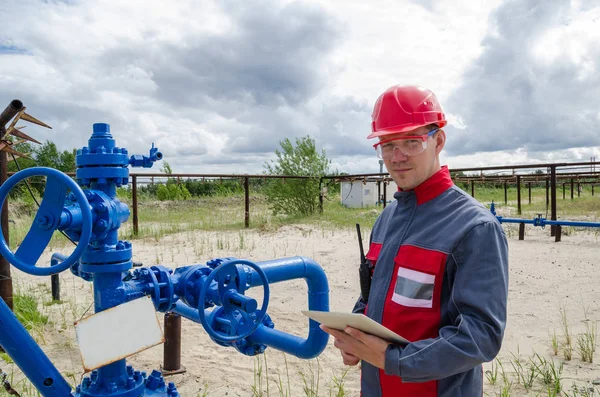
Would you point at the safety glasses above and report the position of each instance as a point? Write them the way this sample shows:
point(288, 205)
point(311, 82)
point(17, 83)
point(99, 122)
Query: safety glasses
point(409, 145)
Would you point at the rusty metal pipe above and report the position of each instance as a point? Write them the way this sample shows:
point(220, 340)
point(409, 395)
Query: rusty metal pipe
point(6, 287)
point(14, 107)
point(172, 346)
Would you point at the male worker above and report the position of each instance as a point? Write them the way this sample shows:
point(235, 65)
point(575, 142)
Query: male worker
point(440, 258)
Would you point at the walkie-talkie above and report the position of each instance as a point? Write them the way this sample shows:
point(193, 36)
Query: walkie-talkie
point(364, 270)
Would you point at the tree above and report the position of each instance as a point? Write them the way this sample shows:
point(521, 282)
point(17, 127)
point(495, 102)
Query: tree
point(48, 155)
point(296, 196)
point(173, 189)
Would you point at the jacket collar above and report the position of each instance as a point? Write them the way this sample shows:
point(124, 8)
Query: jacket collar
point(437, 184)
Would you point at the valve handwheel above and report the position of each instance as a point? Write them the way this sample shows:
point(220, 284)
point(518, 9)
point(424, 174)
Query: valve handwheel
point(227, 274)
point(46, 221)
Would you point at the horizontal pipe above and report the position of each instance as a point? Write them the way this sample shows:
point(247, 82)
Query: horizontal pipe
point(512, 220)
point(544, 222)
point(188, 312)
point(29, 357)
point(291, 344)
point(572, 223)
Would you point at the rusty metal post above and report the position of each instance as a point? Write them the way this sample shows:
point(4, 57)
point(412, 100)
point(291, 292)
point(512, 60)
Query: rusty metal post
point(547, 192)
point(246, 203)
point(6, 285)
point(553, 198)
point(136, 228)
point(505, 193)
point(558, 233)
point(521, 231)
point(572, 188)
point(473, 188)
point(384, 193)
point(519, 194)
point(55, 283)
point(172, 348)
point(321, 195)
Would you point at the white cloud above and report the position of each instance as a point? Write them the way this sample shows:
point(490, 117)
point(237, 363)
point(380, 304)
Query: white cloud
point(217, 84)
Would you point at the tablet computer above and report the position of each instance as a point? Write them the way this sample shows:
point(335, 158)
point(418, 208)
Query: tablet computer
point(341, 320)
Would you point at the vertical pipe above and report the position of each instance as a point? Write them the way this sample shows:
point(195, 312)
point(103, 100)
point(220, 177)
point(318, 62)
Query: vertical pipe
point(505, 193)
point(553, 197)
point(246, 203)
point(135, 204)
point(172, 347)
point(547, 192)
point(519, 194)
point(55, 281)
point(6, 286)
point(379, 192)
point(384, 193)
point(558, 233)
point(572, 188)
point(564, 191)
point(529, 188)
point(473, 188)
point(321, 193)
point(521, 231)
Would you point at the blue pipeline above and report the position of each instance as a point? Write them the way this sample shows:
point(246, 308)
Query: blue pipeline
point(29, 357)
point(539, 221)
point(543, 222)
point(187, 312)
point(102, 168)
point(279, 270)
point(318, 299)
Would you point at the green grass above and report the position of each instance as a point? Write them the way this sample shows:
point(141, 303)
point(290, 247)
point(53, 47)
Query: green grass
point(26, 309)
point(157, 219)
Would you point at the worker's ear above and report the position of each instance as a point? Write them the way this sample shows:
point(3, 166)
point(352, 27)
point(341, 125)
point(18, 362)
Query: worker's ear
point(440, 141)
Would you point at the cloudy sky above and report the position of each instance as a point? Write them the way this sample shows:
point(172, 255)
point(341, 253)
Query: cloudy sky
point(216, 84)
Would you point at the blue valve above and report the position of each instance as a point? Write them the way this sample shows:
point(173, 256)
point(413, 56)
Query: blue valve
point(138, 160)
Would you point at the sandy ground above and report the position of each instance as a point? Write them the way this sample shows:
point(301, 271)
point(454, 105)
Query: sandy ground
point(544, 276)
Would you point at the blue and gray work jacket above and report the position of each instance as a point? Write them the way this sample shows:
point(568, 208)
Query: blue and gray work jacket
point(440, 280)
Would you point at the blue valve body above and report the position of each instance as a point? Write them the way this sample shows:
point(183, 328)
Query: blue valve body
point(212, 294)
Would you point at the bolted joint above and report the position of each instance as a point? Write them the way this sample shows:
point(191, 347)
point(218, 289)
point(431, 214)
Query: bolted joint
point(101, 224)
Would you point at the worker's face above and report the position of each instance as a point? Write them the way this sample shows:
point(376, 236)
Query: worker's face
point(410, 171)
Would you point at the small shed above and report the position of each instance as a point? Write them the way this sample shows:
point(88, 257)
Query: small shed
point(361, 194)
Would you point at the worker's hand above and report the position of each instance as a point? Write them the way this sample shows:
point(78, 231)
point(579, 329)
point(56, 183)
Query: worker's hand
point(363, 346)
point(349, 359)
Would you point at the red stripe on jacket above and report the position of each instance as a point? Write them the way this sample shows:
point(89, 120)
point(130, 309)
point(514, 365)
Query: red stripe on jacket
point(413, 323)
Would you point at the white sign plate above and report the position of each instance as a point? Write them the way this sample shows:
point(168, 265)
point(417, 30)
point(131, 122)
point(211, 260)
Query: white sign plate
point(118, 332)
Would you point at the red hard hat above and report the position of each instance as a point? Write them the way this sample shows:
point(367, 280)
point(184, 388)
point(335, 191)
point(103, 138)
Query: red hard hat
point(404, 108)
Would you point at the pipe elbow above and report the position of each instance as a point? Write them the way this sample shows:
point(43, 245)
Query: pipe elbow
point(315, 276)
